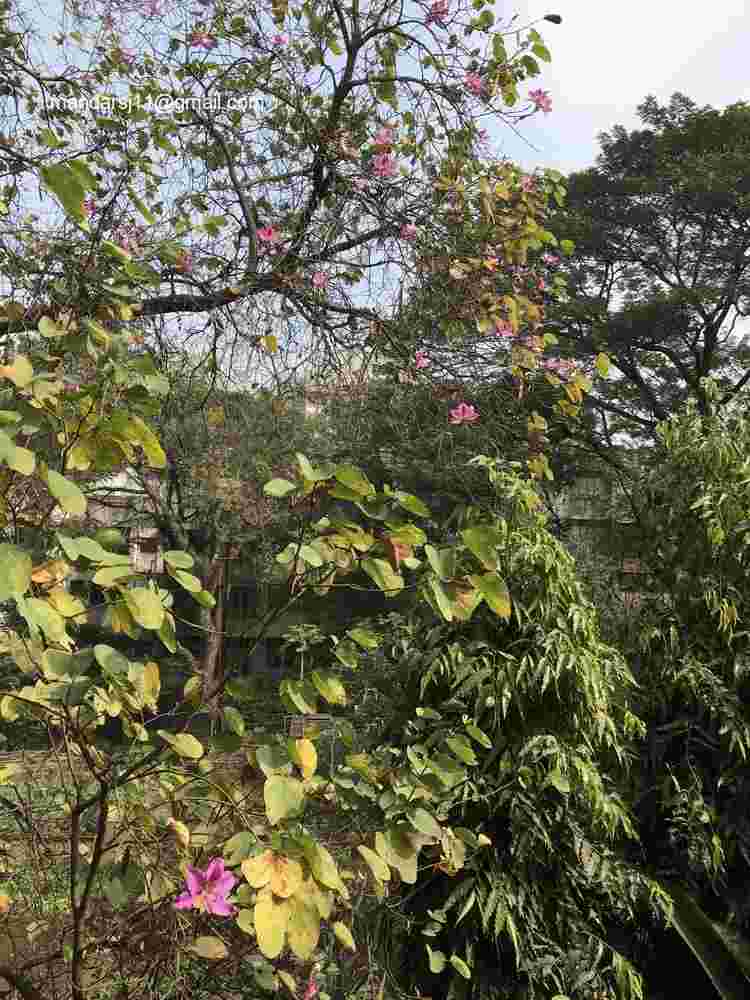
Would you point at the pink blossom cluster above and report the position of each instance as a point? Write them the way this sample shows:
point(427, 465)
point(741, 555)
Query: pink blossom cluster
point(474, 83)
point(129, 237)
point(409, 232)
point(541, 100)
point(559, 365)
point(550, 259)
point(207, 890)
point(384, 166)
point(464, 413)
point(439, 10)
point(503, 329)
point(202, 40)
point(319, 279)
point(421, 360)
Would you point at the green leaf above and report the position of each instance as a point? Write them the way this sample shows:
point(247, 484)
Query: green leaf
point(205, 599)
point(239, 847)
point(329, 687)
point(187, 580)
point(179, 559)
point(147, 215)
point(476, 733)
point(436, 959)
point(67, 188)
point(411, 503)
point(460, 966)
point(353, 478)
point(365, 638)
point(15, 571)
point(108, 575)
point(344, 936)
point(482, 541)
point(558, 781)
point(462, 749)
point(383, 575)
point(67, 493)
point(602, 365)
point(310, 555)
point(440, 597)
point(234, 720)
point(495, 593)
point(421, 820)
point(283, 796)
point(145, 607)
point(183, 744)
point(110, 659)
point(278, 487)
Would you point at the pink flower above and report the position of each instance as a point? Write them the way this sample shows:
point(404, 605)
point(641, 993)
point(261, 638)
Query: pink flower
point(559, 365)
point(541, 100)
point(408, 231)
point(439, 10)
point(267, 234)
point(207, 891)
point(550, 259)
point(384, 138)
point(89, 206)
point(474, 83)
point(421, 360)
point(279, 40)
point(311, 990)
point(384, 165)
point(360, 183)
point(533, 343)
point(503, 329)
point(527, 183)
point(153, 8)
point(202, 40)
point(108, 23)
point(464, 413)
point(540, 285)
point(319, 279)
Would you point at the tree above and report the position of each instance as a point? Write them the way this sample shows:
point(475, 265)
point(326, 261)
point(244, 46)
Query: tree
point(659, 276)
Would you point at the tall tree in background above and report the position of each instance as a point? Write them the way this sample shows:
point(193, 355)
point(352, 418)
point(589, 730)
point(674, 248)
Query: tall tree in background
point(660, 275)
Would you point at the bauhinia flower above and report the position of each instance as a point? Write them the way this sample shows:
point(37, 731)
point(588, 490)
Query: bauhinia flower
point(550, 259)
point(207, 890)
point(474, 83)
point(311, 990)
point(384, 137)
point(503, 329)
point(527, 183)
point(464, 413)
point(202, 40)
point(360, 183)
point(89, 206)
point(408, 231)
point(153, 8)
point(439, 10)
point(421, 360)
point(319, 279)
point(384, 165)
point(541, 100)
point(267, 234)
point(279, 40)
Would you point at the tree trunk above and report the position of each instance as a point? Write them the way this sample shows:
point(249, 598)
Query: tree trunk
point(212, 657)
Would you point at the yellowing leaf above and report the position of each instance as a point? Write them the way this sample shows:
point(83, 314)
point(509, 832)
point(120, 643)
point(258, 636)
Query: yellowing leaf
point(15, 571)
point(288, 980)
point(215, 416)
point(145, 606)
point(151, 684)
point(209, 947)
point(271, 919)
point(602, 365)
point(283, 797)
point(48, 328)
point(54, 571)
point(183, 744)
point(20, 372)
point(344, 936)
point(181, 832)
point(323, 866)
point(303, 928)
point(66, 604)
point(5, 902)
point(66, 492)
point(305, 756)
point(245, 921)
point(377, 866)
point(271, 343)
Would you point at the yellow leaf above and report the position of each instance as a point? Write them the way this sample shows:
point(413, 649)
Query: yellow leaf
point(53, 571)
point(66, 604)
point(245, 921)
point(20, 372)
point(151, 684)
point(271, 919)
point(602, 365)
point(303, 928)
point(379, 868)
point(344, 936)
point(288, 980)
point(180, 831)
point(215, 416)
point(320, 897)
point(209, 947)
point(5, 902)
point(305, 756)
point(271, 343)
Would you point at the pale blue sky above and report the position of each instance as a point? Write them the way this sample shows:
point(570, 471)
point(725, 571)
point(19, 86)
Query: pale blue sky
point(607, 55)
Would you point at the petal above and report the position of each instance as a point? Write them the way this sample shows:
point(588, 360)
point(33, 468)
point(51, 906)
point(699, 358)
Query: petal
point(224, 885)
point(195, 881)
point(215, 870)
point(184, 901)
point(220, 906)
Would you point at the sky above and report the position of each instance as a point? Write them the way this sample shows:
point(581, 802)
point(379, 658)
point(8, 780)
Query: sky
point(608, 55)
